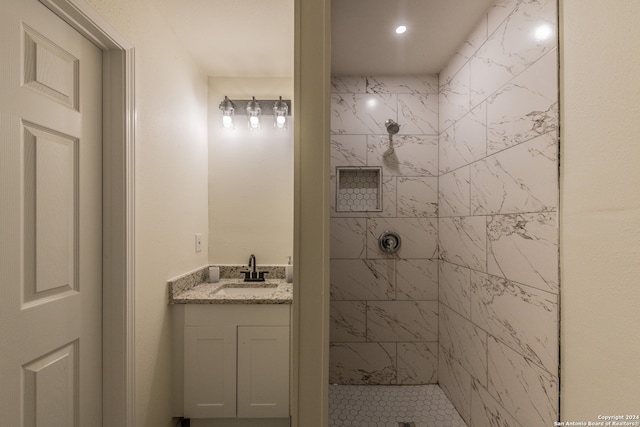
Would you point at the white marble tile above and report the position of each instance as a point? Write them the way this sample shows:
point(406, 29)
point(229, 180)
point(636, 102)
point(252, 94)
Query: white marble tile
point(417, 279)
point(348, 150)
point(413, 155)
point(524, 248)
point(525, 390)
point(525, 108)
point(455, 382)
point(468, 48)
point(362, 279)
point(511, 48)
point(465, 342)
point(348, 237)
point(486, 411)
point(455, 288)
point(475, 39)
point(524, 318)
point(446, 139)
point(418, 237)
point(498, 12)
point(348, 321)
point(389, 198)
point(418, 114)
point(445, 76)
point(348, 84)
point(402, 321)
point(454, 98)
point(402, 84)
point(362, 113)
point(417, 362)
point(523, 178)
point(362, 363)
point(417, 197)
point(389, 201)
point(465, 142)
point(453, 193)
point(463, 241)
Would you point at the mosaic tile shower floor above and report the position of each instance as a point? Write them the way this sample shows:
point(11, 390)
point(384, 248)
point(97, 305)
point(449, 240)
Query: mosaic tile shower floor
point(386, 406)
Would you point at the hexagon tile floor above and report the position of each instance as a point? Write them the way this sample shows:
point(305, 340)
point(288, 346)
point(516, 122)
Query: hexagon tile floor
point(391, 406)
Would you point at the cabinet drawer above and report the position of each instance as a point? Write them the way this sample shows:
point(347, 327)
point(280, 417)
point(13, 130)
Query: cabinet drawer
point(236, 314)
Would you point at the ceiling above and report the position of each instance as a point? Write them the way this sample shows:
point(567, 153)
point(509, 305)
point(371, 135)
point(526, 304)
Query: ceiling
point(364, 39)
point(255, 38)
point(235, 38)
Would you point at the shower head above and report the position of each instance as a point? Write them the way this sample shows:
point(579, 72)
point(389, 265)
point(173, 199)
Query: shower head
point(392, 127)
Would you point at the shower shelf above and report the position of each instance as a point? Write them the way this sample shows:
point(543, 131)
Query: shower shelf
point(359, 189)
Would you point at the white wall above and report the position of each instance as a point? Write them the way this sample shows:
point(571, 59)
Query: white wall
point(171, 189)
point(250, 177)
point(600, 208)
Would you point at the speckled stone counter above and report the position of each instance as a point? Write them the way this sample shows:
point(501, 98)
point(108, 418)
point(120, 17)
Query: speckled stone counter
point(192, 288)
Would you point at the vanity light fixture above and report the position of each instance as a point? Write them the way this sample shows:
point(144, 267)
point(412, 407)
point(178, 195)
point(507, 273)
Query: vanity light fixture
point(253, 112)
point(280, 112)
point(227, 107)
point(281, 109)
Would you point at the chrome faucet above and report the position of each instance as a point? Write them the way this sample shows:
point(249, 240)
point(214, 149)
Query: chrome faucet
point(253, 275)
point(252, 262)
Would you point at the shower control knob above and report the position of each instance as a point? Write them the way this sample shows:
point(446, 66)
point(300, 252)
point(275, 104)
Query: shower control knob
point(389, 242)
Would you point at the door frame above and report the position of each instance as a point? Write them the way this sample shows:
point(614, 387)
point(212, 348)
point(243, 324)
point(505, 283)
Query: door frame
point(118, 406)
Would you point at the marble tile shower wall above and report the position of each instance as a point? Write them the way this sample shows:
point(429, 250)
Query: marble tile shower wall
point(497, 222)
point(384, 309)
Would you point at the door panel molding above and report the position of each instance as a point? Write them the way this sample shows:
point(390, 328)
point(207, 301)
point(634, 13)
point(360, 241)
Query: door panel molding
point(118, 207)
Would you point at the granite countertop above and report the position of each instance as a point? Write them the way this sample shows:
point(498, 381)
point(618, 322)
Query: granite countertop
point(205, 293)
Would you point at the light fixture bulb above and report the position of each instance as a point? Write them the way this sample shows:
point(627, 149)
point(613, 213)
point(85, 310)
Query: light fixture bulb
point(401, 29)
point(280, 111)
point(254, 111)
point(227, 107)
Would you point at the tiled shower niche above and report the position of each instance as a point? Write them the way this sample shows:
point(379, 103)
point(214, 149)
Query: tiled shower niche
point(359, 189)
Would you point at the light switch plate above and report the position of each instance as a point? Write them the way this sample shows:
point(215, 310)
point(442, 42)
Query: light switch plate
point(198, 242)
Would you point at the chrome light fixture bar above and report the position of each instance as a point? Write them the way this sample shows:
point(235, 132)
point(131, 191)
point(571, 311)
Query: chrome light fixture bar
point(281, 110)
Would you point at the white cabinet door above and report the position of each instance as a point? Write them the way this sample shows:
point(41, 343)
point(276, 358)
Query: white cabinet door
point(263, 371)
point(210, 372)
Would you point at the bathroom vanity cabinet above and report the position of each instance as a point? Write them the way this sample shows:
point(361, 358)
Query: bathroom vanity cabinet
point(232, 363)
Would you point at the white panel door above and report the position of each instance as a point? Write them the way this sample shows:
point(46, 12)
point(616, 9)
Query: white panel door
point(210, 372)
point(50, 221)
point(263, 371)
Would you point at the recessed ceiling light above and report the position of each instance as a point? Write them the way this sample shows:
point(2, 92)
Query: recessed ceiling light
point(400, 29)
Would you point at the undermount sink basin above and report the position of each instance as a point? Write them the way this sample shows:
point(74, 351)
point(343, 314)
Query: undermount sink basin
point(250, 289)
